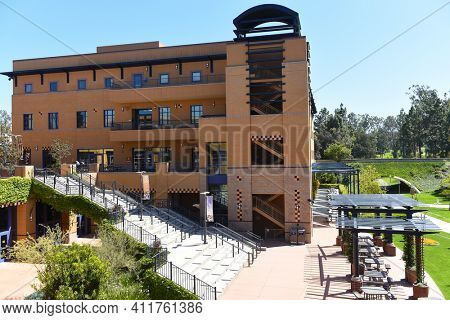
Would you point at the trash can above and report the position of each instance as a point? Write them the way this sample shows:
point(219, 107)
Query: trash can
point(297, 235)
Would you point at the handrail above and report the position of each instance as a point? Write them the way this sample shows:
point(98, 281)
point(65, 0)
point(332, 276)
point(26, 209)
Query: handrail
point(243, 239)
point(151, 125)
point(167, 269)
point(175, 274)
point(172, 81)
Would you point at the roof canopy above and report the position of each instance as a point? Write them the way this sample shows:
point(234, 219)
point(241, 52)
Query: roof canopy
point(248, 21)
point(332, 167)
point(372, 201)
point(387, 225)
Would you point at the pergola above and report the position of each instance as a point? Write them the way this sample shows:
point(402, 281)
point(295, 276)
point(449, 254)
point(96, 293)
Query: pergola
point(393, 215)
point(339, 169)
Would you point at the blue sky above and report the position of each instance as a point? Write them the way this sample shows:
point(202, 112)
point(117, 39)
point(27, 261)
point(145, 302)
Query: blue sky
point(340, 33)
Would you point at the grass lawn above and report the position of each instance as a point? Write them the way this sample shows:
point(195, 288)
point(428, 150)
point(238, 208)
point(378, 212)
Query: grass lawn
point(441, 214)
point(431, 198)
point(425, 175)
point(437, 260)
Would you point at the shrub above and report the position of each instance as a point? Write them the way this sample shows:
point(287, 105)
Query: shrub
point(31, 250)
point(122, 287)
point(368, 181)
point(337, 152)
point(14, 189)
point(65, 203)
point(160, 288)
point(408, 251)
point(72, 273)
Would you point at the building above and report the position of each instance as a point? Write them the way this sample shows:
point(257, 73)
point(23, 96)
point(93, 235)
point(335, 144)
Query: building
point(233, 118)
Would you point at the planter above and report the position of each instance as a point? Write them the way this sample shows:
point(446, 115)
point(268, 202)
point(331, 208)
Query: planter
point(420, 290)
point(389, 250)
point(356, 284)
point(411, 275)
point(338, 240)
point(378, 241)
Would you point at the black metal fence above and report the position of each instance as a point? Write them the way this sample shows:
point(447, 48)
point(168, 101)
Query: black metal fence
point(183, 278)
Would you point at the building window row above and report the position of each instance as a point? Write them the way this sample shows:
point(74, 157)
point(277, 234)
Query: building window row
point(138, 82)
point(53, 123)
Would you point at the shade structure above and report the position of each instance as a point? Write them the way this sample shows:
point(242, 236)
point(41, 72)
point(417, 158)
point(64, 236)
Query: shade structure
point(372, 201)
point(332, 167)
point(418, 225)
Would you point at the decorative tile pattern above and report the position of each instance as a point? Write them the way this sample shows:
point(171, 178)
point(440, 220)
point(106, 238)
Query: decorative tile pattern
point(239, 204)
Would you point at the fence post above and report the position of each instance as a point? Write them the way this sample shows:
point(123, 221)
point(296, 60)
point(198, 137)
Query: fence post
point(54, 181)
point(67, 184)
point(233, 250)
point(216, 240)
point(215, 293)
point(141, 233)
point(195, 289)
point(248, 258)
point(45, 175)
point(171, 265)
point(104, 195)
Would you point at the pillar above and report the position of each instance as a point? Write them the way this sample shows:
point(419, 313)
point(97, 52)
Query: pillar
point(69, 225)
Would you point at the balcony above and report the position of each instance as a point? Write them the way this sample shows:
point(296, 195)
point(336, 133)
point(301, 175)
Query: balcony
point(174, 81)
point(168, 124)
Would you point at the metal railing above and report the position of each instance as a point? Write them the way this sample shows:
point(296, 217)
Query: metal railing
point(268, 209)
point(254, 245)
point(183, 278)
point(168, 124)
point(160, 262)
point(172, 81)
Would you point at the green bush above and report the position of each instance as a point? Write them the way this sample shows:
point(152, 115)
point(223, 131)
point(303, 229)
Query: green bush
point(315, 187)
point(14, 189)
point(408, 251)
point(65, 203)
point(72, 273)
point(160, 288)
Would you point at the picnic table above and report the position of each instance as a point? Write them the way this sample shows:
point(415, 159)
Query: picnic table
point(374, 274)
point(371, 261)
point(374, 293)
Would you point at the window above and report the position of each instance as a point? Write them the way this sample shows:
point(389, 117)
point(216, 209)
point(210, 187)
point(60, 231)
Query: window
point(142, 118)
point(164, 78)
point(108, 118)
point(81, 119)
point(28, 121)
point(217, 157)
point(196, 76)
point(53, 120)
point(196, 113)
point(28, 88)
point(53, 86)
point(164, 115)
point(109, 82)
point(137, 80)
point(82, 84)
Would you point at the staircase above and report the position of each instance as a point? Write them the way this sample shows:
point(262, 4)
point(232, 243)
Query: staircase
point(204, 269)
point(268, 211)
point(273, 146)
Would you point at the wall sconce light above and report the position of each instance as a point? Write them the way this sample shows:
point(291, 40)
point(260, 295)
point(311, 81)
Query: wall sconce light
point(123, 109)
point(214, 103)
point(207, 65)
point(176, 66)
point(123, 146)
point(37, 147)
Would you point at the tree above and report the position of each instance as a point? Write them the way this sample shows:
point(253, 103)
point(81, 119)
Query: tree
point(72, 273)
point(368, 181)
point(9, 153)
point(60, 151)
point(337, 152)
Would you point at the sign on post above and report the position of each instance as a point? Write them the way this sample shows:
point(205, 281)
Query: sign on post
point(209, 209)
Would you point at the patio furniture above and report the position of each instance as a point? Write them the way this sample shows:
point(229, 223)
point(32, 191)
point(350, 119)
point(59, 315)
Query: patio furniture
point(374, 293)
point(388, 267)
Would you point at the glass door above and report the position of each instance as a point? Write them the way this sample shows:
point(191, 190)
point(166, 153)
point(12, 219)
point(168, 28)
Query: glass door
point(142, 118)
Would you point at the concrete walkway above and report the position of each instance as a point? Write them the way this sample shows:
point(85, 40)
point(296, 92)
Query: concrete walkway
point(16, 280)
point(277, 274)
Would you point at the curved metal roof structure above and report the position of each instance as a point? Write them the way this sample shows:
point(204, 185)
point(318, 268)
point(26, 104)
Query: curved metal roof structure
point(248, 21)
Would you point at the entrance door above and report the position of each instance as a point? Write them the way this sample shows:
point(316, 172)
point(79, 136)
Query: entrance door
point(5, 231)
point(47, 159)
point(143, 118)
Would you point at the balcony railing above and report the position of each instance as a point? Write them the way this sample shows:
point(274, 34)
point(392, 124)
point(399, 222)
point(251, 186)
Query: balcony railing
point(168, 124)
point(173, 81)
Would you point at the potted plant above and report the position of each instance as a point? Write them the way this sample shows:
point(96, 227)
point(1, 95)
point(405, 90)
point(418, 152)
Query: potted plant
point(408, 258)
point(420, 288)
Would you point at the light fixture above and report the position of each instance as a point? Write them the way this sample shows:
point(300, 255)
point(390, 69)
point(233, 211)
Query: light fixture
point(214, 103)
point(176, 66)
point(37, 148)
point(123, 109)
point(207, 65)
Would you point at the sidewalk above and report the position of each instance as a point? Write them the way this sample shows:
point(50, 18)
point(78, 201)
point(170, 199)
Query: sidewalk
point(16, 280)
